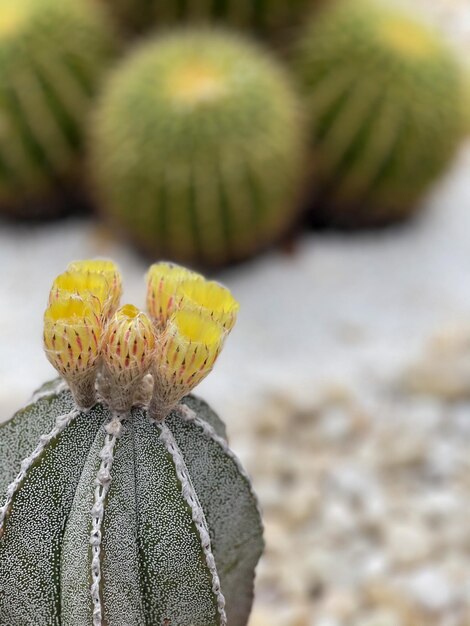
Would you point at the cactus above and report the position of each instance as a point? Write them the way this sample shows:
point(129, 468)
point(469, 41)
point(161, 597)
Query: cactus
point(52, 56)
point(385, 99)
point(196, 148)
point(266, 17)
point(124, 503)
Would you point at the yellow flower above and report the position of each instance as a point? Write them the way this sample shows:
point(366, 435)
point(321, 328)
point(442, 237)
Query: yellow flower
point(128, 351)
point(72, 335)
point(163, 282)
point(92, 288)
point(214, 298)
point(109, 271)
point(186, 353)
point(89, 340)
point(129, 340)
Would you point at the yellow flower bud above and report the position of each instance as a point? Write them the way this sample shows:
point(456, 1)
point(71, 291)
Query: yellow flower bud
point(128, 352)
point(72, 335)
point(91, 288)
point(109, 271)
point(214, 298)
point(163, 297)
point(186, 353)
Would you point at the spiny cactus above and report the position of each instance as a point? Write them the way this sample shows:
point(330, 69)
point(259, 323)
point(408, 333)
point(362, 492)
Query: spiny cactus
point(52, 56)
point(124, 504)
point(385, 99)
point(266, 17)
point(196, 148)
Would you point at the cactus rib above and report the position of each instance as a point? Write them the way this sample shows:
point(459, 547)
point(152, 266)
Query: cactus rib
point(199, 519)
point(209, 431)
point(49, 391)
point(103, 481)
point(62, 421)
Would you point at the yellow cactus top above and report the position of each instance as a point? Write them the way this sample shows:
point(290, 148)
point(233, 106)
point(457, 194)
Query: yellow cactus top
point(72, 334)
point(14, 16)
point(196, 82)
point(85, 333)
point(163, 282)
point(129, 342)
point(408, 37)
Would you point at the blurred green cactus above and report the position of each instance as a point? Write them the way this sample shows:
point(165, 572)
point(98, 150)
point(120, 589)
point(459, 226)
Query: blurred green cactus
point(197, 148)
point(385, 101)
point(52, 55)
point(263, 16)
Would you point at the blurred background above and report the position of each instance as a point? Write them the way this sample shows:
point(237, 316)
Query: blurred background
point(312, 155)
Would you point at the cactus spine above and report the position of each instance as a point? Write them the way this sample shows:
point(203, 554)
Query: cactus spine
point(384, 96)
point(206, 169)
point(114, 515)
point(52, 55)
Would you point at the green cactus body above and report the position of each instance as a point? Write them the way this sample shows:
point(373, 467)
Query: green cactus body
point(267, 17)
point(157, 519)
point(384, 98)
point(196, 150)
point(52, 55)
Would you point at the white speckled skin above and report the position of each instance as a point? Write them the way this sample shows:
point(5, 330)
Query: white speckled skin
point(154, 567)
